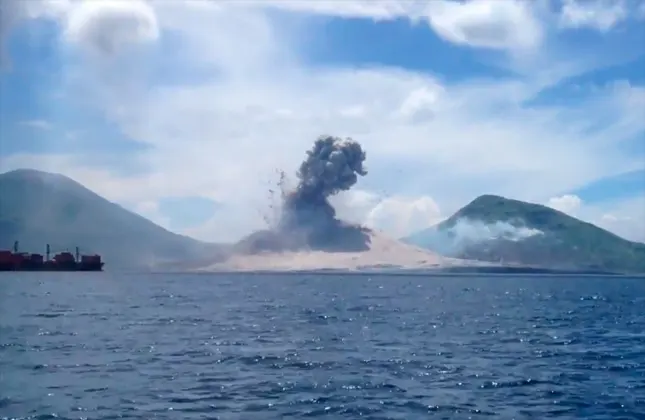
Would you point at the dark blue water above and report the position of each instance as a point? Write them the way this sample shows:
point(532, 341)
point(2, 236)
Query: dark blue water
point(98, 346)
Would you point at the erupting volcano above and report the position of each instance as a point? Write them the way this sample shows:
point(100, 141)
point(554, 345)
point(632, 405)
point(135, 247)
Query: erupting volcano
point(307, 234)
point(307, 219)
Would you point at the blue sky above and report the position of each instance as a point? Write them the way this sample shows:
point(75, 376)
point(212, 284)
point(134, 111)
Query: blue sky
point(183, 111)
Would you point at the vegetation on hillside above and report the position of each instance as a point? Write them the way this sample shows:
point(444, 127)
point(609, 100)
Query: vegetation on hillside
point(561, 241)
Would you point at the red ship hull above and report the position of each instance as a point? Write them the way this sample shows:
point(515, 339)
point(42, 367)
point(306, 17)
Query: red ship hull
point(64, 261)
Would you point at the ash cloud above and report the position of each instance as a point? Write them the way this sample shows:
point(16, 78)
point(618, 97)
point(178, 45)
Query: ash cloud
point(307, 220)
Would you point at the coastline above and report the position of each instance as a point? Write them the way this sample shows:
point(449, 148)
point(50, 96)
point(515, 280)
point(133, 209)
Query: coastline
point(460, 271)
point(386, 256)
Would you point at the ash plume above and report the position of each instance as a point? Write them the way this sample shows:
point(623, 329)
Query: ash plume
point(307, 220)
point(331, 166)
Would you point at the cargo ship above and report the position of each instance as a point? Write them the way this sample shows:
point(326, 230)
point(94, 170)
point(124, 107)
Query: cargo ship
point(13, 260)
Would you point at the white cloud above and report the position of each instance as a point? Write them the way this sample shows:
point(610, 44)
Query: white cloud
point(106, 27)
point(13, 12)
point(508, 24)
point(228, 224)
point(150, 210)
point(626, 226)
point(601, 15)
point(624, 217)
point(398, 215)
point(37, 124)
point(486, 23)
point(224, 136)
point(228, 37)
point(481, 23)
point(377, 10)
point(567, 203)
point(101, 27)
point(401, 216)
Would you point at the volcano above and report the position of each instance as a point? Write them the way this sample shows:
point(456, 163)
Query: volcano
point(309, 236)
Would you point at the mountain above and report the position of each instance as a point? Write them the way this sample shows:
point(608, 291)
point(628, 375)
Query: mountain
point(38, 208)
point(494, 228)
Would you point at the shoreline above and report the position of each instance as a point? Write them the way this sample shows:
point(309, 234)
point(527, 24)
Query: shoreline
point(450, 271)
point(386, 256)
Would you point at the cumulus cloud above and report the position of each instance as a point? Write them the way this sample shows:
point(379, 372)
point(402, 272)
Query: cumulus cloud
point(108, 26)
point(102, 27)
point(229, 223)
point(480, 23)
point(259, 108)
point(150, 210)
point(567, 203)
point(486, 23)
point(13, 12)
point(628, 227)
point(400, 216)
point(421, 103)
point(601, 15)
point(377, 10)
point(624, 217)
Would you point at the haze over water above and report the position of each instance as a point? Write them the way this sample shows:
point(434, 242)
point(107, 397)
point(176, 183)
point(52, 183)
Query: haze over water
point(107, 346)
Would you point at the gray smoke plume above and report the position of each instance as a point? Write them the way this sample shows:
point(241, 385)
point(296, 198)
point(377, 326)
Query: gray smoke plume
point(465, 234)
point(509, 241)
point(307, 219)
point(332, 165)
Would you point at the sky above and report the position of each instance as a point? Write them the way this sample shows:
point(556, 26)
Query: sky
point(184, 111)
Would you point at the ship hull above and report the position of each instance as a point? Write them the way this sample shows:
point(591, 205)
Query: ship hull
point(52, 267)
point(63, 261)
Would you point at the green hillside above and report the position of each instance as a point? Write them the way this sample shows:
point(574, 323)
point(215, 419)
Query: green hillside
point(493, 228)
point(37, 208)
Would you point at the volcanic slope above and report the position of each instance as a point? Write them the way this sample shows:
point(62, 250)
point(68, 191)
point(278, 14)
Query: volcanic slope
point(382, 253)
point(494, 228)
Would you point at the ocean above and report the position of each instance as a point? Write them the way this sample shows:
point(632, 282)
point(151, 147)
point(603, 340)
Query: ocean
point(117, 346)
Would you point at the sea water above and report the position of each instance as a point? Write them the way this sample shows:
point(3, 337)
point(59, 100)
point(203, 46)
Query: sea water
point(126, 346)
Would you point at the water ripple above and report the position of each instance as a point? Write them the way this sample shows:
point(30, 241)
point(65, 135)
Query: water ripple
point(263, 347)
